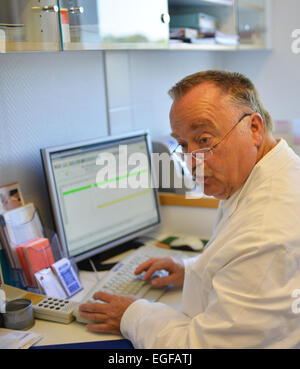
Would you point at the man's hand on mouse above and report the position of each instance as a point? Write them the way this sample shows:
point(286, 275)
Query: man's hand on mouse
point(174, 267)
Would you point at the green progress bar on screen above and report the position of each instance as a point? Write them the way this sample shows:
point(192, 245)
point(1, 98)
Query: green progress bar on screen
point(105, 182)
point(77, 189)
point(121, 177)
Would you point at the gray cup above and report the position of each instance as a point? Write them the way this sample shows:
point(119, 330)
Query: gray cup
point(18, 315)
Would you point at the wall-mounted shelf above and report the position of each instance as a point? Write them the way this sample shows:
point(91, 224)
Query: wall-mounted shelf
point(195, 47)
point(107, 25)
point(245, 24)
point(200, 2)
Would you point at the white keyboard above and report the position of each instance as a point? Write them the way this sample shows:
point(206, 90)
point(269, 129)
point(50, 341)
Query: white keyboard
point(121, 280)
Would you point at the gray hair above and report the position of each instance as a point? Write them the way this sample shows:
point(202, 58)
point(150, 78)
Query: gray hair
point(241, 90)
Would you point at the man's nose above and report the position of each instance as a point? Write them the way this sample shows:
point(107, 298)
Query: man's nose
point(192, 146)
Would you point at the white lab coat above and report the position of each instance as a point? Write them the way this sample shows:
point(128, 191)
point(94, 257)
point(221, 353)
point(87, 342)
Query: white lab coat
point(238, 293)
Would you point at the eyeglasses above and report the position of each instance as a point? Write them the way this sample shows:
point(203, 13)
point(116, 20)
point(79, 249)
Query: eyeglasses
point(205, 152)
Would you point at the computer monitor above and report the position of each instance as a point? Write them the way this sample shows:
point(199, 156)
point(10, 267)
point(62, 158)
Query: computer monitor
point(102, 193)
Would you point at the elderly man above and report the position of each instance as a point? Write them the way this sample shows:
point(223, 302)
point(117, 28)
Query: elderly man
point(241, 292)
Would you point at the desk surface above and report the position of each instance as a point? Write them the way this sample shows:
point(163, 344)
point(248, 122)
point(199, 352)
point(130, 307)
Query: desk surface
point(58, 333)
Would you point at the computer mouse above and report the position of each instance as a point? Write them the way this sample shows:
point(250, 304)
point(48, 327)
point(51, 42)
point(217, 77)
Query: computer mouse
point(160, 274)
point(157, 274)
point(92, 300)
point(192, 241)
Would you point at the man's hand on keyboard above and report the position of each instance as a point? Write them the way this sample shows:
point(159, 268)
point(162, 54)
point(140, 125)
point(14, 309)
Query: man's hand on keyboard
point(106, 316)
point(174, 267)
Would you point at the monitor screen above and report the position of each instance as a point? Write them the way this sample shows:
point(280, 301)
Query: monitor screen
point(101, 192)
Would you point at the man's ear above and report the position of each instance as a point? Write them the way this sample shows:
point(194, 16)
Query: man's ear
point(257, 128)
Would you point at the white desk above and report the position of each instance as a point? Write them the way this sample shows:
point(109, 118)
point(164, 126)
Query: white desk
point(57, 333)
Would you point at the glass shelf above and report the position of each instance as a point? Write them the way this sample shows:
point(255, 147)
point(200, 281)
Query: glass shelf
point(56, 25)
point(187, 3)
point(251, 22)
point(29, 25)
point(114, 24)
point(218, 24)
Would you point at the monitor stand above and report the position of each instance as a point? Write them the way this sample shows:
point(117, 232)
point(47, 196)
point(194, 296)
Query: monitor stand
point(97, 260)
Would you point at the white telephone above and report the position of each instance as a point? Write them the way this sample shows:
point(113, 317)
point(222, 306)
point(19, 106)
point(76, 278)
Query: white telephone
point(47, 308)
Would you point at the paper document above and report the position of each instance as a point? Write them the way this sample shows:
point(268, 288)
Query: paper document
point(23, 224)
point(11, 339)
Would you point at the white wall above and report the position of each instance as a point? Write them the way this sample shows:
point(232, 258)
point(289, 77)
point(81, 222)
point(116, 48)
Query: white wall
point(138, 82)
point(185, 220)
point(46, 99)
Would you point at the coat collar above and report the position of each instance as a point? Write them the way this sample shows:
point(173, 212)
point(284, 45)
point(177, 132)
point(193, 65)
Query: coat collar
point(261, 171)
